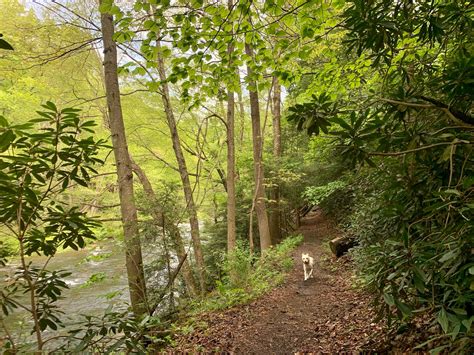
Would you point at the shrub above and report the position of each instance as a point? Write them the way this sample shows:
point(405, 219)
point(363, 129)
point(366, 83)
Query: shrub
point(416, 248)
point(36, 167)
point(246, 277)
point(317, 194)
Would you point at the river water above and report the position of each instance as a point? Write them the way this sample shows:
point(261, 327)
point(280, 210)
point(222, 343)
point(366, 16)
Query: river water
point(105, 260)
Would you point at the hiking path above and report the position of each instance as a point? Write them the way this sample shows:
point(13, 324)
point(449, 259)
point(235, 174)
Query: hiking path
point(324, 314)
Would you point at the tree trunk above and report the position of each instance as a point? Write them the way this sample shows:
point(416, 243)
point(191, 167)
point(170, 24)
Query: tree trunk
point(161, 220)
point(260, 208)
point(231, 204)
point(133, 252)
point(183, 171)
point(275, 213)
point(241, 116)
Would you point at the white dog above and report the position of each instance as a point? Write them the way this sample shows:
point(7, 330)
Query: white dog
point(308, 263)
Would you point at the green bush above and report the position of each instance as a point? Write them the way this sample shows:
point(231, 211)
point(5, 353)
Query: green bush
point(335, 198)
point(40, 160)
point(317, 194)
point(113, 332)
point(110, 230)
point(7, 248)
point(416, 246)
point(247, 277)
point(411, 121)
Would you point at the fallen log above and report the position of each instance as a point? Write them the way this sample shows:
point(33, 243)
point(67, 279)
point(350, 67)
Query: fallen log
point(303, 211)
point(340, 245)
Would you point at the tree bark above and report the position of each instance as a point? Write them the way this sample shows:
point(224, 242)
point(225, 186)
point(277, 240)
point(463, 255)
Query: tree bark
point(275, 213)
point(183, 171)
point(241, 115)
point(161, 220)
point(230, 184)
point(260, 207)
point(133, 252)
point(231, 201)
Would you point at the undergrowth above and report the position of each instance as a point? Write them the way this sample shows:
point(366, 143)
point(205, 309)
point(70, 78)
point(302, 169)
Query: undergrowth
point(247, 277)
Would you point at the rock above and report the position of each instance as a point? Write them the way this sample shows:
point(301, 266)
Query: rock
point(340, 245)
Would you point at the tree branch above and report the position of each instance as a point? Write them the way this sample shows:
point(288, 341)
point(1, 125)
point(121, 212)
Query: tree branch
point(453, 114)
point(168, 285)
point(394, 154)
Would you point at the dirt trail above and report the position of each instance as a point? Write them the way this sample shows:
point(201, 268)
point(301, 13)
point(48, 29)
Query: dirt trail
point(321, 315)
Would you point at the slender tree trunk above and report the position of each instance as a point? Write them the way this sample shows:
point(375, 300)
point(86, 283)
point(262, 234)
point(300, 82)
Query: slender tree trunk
point(241, 115)
point(277, 150)
point(260, 208)
point(231, 200)
point(275, 213)
point(231, 204)
point(183, 171)
point(133, 252)
point(162, 221)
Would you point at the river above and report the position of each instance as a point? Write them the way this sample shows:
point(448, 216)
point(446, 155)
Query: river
point(98, 280)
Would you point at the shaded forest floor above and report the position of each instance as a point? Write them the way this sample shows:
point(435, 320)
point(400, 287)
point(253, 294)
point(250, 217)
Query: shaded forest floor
point(323, 314)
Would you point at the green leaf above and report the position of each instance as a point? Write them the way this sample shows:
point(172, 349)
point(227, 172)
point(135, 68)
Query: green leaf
point(342, 123)
point(65, 183)
point(307, 32)
point(404, 308)
point(442, 319)
point(392, 276)
point(452, 192)
point(388, 298)
point(449, 255)
point(5, 45)
point(3, 122)
point(446, 153)
point(6, 139)
point(105, 6)
point(468, 323)
point(43, 323)
point(459, 311)
point(51, 106)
